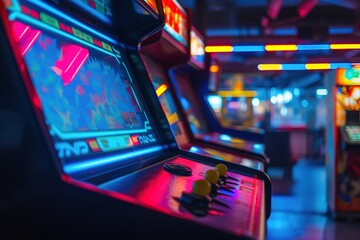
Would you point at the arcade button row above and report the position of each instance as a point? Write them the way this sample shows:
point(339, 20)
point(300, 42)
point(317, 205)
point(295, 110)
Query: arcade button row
point(202, 197)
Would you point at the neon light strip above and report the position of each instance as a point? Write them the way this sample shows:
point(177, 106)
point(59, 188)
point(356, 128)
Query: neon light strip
point(72, 135)
point(283, 47)
point(344, 46)
point(99, 162)
point(248, 48)
point(15, 15)
point(43, 5)
point(15, 6)
point(272, 48)
point(210, 49)
point(306, 66)
point(309, 47)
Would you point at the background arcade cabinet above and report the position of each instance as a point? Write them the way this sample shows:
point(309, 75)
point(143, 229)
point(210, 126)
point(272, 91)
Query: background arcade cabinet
point(188, 82)
point(191, 81)
point(343, 142)
point(81, 152)
point(158, 63)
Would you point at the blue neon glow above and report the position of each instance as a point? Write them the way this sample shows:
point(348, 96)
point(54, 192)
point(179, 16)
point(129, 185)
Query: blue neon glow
point(341, 30)
point(284, 31)
point(89, 134)
point(340, 65)
point(225, 137)
point(258, 48)
point(99, 162)
point(302, 47)
point(321, 92)
point(43, 5)
point(294, 66)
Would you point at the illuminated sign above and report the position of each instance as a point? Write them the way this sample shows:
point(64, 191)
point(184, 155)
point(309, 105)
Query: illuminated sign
point(197, 50)
point(176, 20)
point(152, 4)
point(349, 76)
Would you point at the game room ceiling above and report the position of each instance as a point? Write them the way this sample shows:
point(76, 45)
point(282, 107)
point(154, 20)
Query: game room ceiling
point(262, 22)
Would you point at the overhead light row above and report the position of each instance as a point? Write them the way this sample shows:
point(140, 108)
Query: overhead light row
point(304, 66)
point(281, 47)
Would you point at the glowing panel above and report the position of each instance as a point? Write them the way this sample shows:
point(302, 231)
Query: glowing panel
point(348, 76)
point(197, 50)
point(161, 89)
point(176, 23)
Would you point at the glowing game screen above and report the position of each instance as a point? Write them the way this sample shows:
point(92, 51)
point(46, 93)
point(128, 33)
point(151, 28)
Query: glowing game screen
point(176, 23)
point(84, 89)
point(352, 133)
point(171, 111)
point(348, 77)
point(190, 105)
point(197, 49)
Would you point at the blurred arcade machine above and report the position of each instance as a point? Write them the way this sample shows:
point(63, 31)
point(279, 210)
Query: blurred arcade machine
point(343, 142)
point(175, 39)
point(191, 82)
point(235, 108)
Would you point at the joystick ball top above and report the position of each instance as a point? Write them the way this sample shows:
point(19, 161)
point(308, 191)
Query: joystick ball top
point(212, 176)
point(201, 188)
point(221, 169)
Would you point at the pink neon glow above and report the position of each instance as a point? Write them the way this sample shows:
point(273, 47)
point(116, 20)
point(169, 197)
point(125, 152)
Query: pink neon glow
point(71, 60)
point(25, 36)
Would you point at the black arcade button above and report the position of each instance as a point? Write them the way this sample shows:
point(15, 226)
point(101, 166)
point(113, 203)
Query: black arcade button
point(178, 169)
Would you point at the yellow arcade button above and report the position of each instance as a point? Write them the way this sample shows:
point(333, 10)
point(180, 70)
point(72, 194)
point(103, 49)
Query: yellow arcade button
point(201, 188)
point(221, 169)
point(212, 176)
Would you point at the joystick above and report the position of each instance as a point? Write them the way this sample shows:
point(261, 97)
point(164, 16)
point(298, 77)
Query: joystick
point(198, 201)
point(224, 179)
point(213, 177)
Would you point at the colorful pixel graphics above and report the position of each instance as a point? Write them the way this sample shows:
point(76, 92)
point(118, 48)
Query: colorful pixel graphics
point(80, 89)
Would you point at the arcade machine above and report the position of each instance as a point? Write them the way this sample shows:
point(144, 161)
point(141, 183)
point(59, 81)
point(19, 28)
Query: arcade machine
point(343, 142)
point(86, 152)
point(158, 63)
point(184, 78)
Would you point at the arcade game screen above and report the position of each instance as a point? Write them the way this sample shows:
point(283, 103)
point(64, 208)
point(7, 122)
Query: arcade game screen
point(170, 109)
point(190, 105)
point(347, 100)
point(176, 21)
point(84, 89)
point(197, 52)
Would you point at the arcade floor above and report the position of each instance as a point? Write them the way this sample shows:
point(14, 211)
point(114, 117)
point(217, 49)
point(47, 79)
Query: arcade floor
point(299, 207)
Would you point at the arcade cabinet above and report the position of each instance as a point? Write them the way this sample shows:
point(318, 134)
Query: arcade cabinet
point(175, 39)
point(191, 81)
point(85, 148)
point(343, 142)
